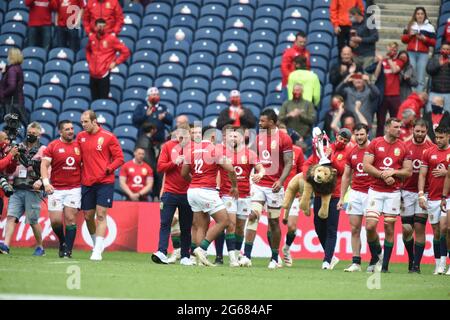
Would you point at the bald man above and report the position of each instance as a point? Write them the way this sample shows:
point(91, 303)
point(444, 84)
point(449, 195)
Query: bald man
point(181, 120)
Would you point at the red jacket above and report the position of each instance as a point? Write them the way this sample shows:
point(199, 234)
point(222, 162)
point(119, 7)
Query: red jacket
point(40, 12)
point(68, 11)
point(447, 32)
point(287, 62)
point(8, 165)
point(339, 11)
point(173, 181)
point(415, 44)
point(412, 102)
point(100, 53)
point(110, 10)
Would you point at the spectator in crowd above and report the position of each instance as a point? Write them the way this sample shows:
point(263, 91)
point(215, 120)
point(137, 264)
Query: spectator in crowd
point(362, 38)
point(357, 88)
point(307, 78)
point(136, 177)
point(40, 23)
point(236, 114)
point(340, 19)
point(101, 55)
point(69, 13)
point(108, 10)
point(155, 113)
point(333, 119)
point(419, 36)
point(389, 67)
point(446, 34)
point(438, 68)
point(181, 120)
point(416, 102)
point(436, 117)
point(298, 114)
point(11, 87)
point(287, 61)
point(345, 66)
point(406, 130)
point(26, 198)
point(408, 77)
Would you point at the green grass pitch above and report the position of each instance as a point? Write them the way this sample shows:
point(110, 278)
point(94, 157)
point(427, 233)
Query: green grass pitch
point(128, 275)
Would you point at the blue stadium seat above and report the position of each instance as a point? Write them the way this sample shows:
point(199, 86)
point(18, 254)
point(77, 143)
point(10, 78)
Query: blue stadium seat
point(51, 90)
point(320, 14)
point(121, 70)
point(183, 21)
point(318, 49)
point(213, 9)
point(78, 92)
point(146, 56)
point(294, 25)
point(208, 34)
point(175, 32)
point(253, 85)
point(33, 65)
point(190, 108)
point(47, 116)
point(134, 7)
point(279, 50)
point(12, 15)
point(234, 47)
point(184, 8)
point(80, 67)
point(17, 4)
point(274, 86)
point(205, 46)
point(320, 63)
point(4, 51)
point(224, 83)
point(322, 75)
point(47, 130)
point(229, 71)
point(226, 3)
point(170, 69)
point(115, 94)
point(132, 19)
point(130, 32)
point(47, 103)
point(275, 74)
point(104, 105)
point(158, 8)
point(274, 99)
point(117, 81)
point(170, 56)
point(268, 12)
point(261, 47)
point(307, 4)
point(129, 132)
point(230, 58)
point(175, 45)
point(239, 22)
point(129, 106)
point(321, 26)
point(211, 22)
point(157, 20)
point(3, 6)
point(215, 109)
point(55, 78)
point(32, 78)
point(264, 35)
point(129, 43)
point(297, 13)
point(155, 32)
point(267, 23)
point(135, 94)
point(210, 121)
point(142, 68)
point(14, 27)
point(328, 89)
point(124, 119)
point(322, 4)
point(236, 34)
point(168, 82)
point(251, 3)
point(127, 144)
point(241, 10)
point(75, 104)
point(105, 119)
point(320, 37)
point(252, 97)
point(139, 81)
point(200, 70)
point(255, 72)
point(193, 95)
point(196, 82)
point(218, 96)
point(35, 53)
point(58, 66)
point(64, 54)
point(79, 79)
point(16, 38)
point(168, 95)
point(277, 62)
point(275, 3)
point(202, 58)
point(72, 115)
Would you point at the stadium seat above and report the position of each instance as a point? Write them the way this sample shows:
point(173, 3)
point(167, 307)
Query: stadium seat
point(47, 103)
point(236, 34)
point(320, 14)
point(321, 38)
point(132, 19)
point(251, 3)
point(75, 104)
point(200, 70)
point(156, 20)
point(293, 24)
point(234, 47)
point(170, 69)
point(321, 26)
point(169, 95)
point(210, 121)
point(224, 83)
point(105, 119)
point(264, 35)
point(29, 91)
point(275, 74)
point(174, 57)
point(196, 82)
point(214, 109)
point(190, 107)
point(205, 46)
point(47, 116)
point(184, 9)
point(155, 32)
point(13, 39)
point(14, 15)
point(115, 94)
point(229, 71)
point(129, 43)
point(58, 66)
point(104, 105)
point(72, 115)
point(32, 78)
point(134, 7)
point(55, 78)
point(241, 10)
point(130, 32)
point(281, 48)
point(297, 13)
point(321, 3)
point(127, 144)
point(277, 62)
point(169, 82)
point(79, 79)
point(64, 54)
point(183, 21)
point(17, 4)
point(124, 119)
point(175, 45)
point(14, 27)
point(158, 8)
point(129, 132)
point(35, 53)
point(142, 68)
point(202, 58)
point(230, 58)
point(51, 90)
point(208, 34)
point(194, 96)
point(274, 86)
point(139, 81)
point(33, 65)
point(218, 96)
point(252, 97)
point(78, 92)
point(260, 47)
point(135, 94)
point(318, 49)
point(253, 85)
point(266, 23)
point(146, 56)
point(211, 22)
point(176, 33)
point(274, 99)
point(149, 44)
point(47, 130)
point(117, 81)
point(320, 63)
point(129, 106)
point(307, 4)
point(213, 9)
point(239, 22)
point(268, 11)
point(80, 67)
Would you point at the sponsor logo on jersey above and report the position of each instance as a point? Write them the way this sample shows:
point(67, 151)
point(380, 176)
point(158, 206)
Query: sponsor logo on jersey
point(131, 170)
point(381, 149)
point(61, 150)
point(273, 145)
point(77, 151)
point(339, 157)
point(144, 171)
point(396, 152)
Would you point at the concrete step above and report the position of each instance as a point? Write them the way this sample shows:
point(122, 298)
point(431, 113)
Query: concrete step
point(407, 10)
point(411, 3)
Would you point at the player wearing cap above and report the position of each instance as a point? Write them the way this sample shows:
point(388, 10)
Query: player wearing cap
point(63, 155)
point(433, 170)
point(387, 161)
point(326, 229)
point(357, 202)
point(101, 155)
point(236, 114)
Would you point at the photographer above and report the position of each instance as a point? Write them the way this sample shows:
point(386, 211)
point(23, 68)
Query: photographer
point(8, 165)
point(438, 68)
point(27, 198)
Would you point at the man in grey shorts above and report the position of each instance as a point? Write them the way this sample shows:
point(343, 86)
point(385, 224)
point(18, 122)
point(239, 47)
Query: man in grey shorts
point(26, 198)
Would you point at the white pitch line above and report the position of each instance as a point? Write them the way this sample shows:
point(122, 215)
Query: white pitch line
point(64, 262)
point(13, 296)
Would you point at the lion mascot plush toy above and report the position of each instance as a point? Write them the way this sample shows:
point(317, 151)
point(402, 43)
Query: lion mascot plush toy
point(320, 179)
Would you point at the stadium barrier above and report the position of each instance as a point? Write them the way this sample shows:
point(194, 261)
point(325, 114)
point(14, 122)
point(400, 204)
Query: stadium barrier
point(134, 226)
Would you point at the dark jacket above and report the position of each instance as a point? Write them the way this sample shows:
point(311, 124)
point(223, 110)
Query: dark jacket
point(140, 117)
point(369, 39)
point(11, 85)
point(248, 120)
point(335, 74)
point(440, 75)
point(445, 121)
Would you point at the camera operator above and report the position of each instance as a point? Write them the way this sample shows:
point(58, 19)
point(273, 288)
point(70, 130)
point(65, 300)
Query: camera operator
point(27, 196)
